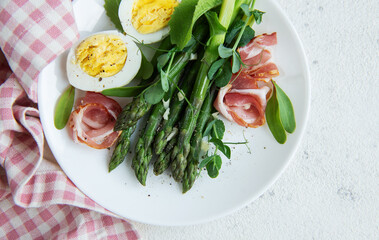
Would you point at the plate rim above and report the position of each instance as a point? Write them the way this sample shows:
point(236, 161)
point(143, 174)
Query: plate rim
point(265, 186)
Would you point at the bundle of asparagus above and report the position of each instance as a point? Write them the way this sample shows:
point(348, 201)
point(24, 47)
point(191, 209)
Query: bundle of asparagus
point(176, 140)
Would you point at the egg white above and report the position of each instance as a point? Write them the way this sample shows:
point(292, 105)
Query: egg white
point(81, 80)
point(125, 15)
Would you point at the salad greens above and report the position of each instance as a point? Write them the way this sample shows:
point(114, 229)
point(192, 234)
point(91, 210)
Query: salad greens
point(212, 31)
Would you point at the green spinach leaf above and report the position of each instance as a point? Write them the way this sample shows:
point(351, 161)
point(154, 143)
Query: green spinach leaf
point(218, 129)
point(154, 93)
point(224, 75)
point(64, 107)
point(247, 35)
point(184, 18)
point(280, 114)
point(124, 91)
point(205, 161)
point(214, 166)
point(273, 120)
point(146, 69)
point(287, 114)
point(233, 30)
point(215, 67)
point(111, 9)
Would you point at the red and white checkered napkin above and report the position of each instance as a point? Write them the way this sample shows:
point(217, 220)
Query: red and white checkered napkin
point(37, 200)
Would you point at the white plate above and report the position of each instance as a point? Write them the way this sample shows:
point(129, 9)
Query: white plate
point(242, 179)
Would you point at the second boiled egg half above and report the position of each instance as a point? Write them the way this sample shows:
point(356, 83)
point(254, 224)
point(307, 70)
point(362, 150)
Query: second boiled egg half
point(146, 20)
point(103, 60)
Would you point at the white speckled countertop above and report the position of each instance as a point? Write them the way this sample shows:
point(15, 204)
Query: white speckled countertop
point(331, 188)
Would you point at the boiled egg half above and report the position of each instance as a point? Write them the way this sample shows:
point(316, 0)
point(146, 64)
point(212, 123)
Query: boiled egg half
point(103, 60)
point(146, 20)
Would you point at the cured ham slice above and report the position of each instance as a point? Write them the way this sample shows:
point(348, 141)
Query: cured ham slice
point(93, 120)
point(257, 56)
point(243, 106)
point(111, 105)
point(244, 99)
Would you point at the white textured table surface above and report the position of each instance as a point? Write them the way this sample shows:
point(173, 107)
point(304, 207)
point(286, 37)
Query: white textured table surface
point(331, 188)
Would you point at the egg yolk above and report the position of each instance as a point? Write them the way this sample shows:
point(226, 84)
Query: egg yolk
point(101, 55)
point(149, 16)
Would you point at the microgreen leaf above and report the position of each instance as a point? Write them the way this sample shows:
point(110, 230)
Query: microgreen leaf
point(224, 75)
point(208, 129)
point(233, 30)
point(287, 114)
point(218, 129)
point(215, 67)
point(124, 91)
point(111, 9)
point(226, 151)
point(217, 142)
point(64, 107)
point(247, 35)
point(154, 93)
point(146, 69)
point(224, 52)
point(164, 81)
point(258, 16)
point(236, 62)
point(273, 119)
point(164, 74)
point(205, 161)
point(221, 146)
point(214, 166)
point(246, 10)
point(184, 18)
point(162, 60)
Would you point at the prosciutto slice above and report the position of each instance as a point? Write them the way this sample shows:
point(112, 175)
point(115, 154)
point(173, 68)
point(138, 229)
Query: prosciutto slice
point(243, 106)
point(244, 99)
point(93, 120)
point(257, 56)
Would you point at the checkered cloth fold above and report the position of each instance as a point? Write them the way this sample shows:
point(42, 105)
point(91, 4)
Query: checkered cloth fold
point(37, 200)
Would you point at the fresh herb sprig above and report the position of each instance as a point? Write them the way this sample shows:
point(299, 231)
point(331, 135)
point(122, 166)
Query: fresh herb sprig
point(221, 70)
point(215, 131)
